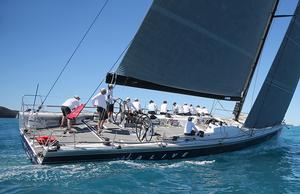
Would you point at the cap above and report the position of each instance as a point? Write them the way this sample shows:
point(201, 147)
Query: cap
point(103, 90)
point(110, 86)
point(77, 97)
point(127, 98)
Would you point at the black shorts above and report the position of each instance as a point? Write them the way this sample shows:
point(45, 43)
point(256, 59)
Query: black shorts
point(65, 110)
point(152, 112)
point(190, 134)
point(102, 113)
point(110, 107)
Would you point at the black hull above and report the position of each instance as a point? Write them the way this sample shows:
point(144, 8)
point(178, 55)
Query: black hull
point(161, 154)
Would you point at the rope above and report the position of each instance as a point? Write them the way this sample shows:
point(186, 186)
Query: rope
point(75, 50)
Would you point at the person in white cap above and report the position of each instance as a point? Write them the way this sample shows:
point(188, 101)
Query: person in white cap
point(66, 108)
point(99, 101)
point(129, 107)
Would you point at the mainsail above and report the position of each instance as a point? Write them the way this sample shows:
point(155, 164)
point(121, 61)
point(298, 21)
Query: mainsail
point(279, 86)
point(203, 48)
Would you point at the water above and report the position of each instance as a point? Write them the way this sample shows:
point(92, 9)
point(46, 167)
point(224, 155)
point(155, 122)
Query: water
point(272, 167)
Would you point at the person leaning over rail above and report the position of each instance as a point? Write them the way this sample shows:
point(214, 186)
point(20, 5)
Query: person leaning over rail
point(100, 102)
point(66, 109)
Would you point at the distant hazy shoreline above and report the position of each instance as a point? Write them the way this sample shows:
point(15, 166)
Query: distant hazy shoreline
point(7, 113)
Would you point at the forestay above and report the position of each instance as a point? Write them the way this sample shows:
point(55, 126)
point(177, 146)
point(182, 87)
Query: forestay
point(277, 91)
point(202, 48)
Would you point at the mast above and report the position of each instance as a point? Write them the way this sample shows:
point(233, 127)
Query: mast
point(239, 105)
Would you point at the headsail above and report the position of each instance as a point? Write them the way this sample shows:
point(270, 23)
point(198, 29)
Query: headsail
point(202, 48)
point(277, 91)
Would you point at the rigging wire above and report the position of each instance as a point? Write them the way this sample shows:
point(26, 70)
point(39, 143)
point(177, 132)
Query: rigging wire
point(213, 106)
point(255, 81)
point(36, 91)
point(258, 68)
point(221, 105)
point(111, 68)
point(75, 50)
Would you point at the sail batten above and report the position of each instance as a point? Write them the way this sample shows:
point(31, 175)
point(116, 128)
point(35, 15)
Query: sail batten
point(202, 48)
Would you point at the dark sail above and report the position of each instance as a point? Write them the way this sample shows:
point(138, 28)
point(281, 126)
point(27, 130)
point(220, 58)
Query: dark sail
point(277, 91)
point(202, 48)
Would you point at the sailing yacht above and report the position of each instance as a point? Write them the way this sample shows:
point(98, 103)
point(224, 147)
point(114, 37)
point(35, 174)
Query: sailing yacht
point(179, 39)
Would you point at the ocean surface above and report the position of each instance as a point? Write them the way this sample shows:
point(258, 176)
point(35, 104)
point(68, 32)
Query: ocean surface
point(271, 167)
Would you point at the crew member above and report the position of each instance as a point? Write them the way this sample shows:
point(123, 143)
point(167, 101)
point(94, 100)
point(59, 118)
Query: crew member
point(190, 129)
point(152, 108)
point(137, 105)
point(100, 102)
point(110, 102)
point(164, 108)
point(66, 108)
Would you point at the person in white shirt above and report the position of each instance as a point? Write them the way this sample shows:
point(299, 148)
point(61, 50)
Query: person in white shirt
point(186, 110)
point(152, 108)
point(66, 109)
point(190, 128)
point(180, 110)
point(100, 102)
point(192, 110)
point(137, 105)
point(199, 109)
point(164, 108)
point(129, 110)
point(175, 108)
point(110, 102)
point(205, 111)
point(129, 107)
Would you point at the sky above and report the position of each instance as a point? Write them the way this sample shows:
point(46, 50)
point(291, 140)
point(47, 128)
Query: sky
point(38, 36)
